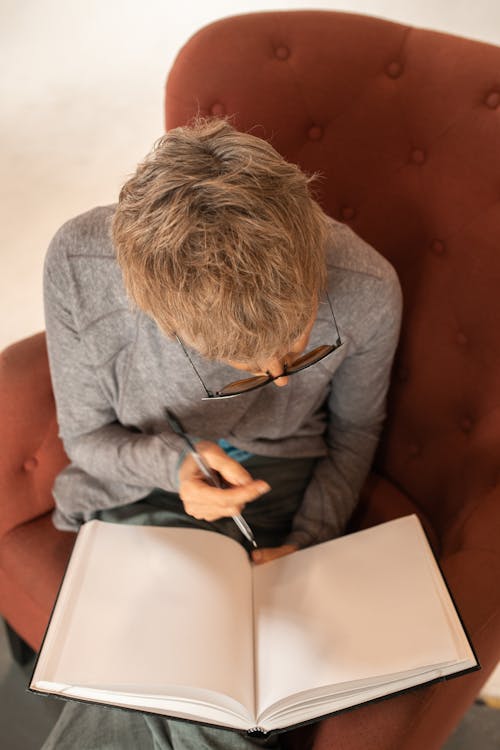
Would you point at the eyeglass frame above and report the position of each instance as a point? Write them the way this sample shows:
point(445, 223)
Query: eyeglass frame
point(271, 378)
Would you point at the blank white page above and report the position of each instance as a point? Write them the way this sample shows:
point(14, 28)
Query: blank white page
point(356, 607)
point(150, 607)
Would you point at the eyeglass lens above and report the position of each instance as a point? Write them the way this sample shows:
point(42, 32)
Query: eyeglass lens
point(306, 360)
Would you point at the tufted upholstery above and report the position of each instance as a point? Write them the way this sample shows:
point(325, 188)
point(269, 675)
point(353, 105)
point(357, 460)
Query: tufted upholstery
point(403, 123)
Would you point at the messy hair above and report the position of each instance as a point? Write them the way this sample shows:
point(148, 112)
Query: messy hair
point(220, 241)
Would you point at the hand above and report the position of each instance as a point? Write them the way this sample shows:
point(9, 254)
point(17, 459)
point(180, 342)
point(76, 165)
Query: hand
point(265, 554)
point(208, 503)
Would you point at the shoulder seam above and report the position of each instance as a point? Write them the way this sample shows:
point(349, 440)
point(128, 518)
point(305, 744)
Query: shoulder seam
point(379, 277)
point(100, 256)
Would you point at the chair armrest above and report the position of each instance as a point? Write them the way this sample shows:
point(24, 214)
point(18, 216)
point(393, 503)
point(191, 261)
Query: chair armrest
point(32, 453)
point(427, 716)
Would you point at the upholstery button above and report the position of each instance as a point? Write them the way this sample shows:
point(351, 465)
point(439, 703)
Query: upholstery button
point(315, 133)
point(348, 212)
point(461, 338)
point(217, 109)
point(394, 69)
point(30, 464)
point(418, 156)
point(466, 424)
point(492, 100)
point(282, 53)
point(438, 247)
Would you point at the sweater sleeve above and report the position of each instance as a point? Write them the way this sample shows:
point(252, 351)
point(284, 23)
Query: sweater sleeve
point(356, 413)
point(113, 464)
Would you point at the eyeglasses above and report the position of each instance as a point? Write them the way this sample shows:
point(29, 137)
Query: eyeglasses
point(259, 381)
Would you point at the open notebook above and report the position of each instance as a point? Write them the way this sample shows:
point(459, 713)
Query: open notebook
point(179, 622)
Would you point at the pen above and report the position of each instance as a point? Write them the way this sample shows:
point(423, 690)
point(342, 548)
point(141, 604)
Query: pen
point(208, 473)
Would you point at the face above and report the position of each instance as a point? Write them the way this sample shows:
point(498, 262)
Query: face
point(275, 366)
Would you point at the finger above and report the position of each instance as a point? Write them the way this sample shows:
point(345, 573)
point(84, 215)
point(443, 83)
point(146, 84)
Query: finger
point(232, 471)
point(265, 554)
point(197, 490)
point(208, 513)
point(265, 558)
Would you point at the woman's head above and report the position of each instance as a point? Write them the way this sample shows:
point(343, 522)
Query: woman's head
point(220, 241)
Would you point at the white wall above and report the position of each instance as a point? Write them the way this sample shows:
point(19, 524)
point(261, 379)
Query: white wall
point(82, 103)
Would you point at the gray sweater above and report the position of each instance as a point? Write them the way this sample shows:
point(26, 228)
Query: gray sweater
point(113, 372)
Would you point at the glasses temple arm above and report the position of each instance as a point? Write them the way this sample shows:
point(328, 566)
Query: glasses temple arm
point(335, 321)
point(209, 393)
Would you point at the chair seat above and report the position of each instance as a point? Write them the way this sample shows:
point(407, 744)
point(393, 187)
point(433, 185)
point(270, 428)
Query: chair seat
point(33, 557)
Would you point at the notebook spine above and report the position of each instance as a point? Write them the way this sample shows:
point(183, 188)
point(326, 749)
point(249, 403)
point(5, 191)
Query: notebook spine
point(257, 732)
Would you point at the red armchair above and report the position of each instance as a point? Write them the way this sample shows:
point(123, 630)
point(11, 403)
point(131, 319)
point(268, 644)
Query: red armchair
point(404, 125)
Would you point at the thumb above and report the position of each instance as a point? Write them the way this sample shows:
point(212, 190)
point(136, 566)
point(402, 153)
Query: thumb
point(231, 496)
point(231, 470)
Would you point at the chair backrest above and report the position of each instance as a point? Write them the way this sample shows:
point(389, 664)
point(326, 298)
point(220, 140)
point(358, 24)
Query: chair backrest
point(404, 125)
